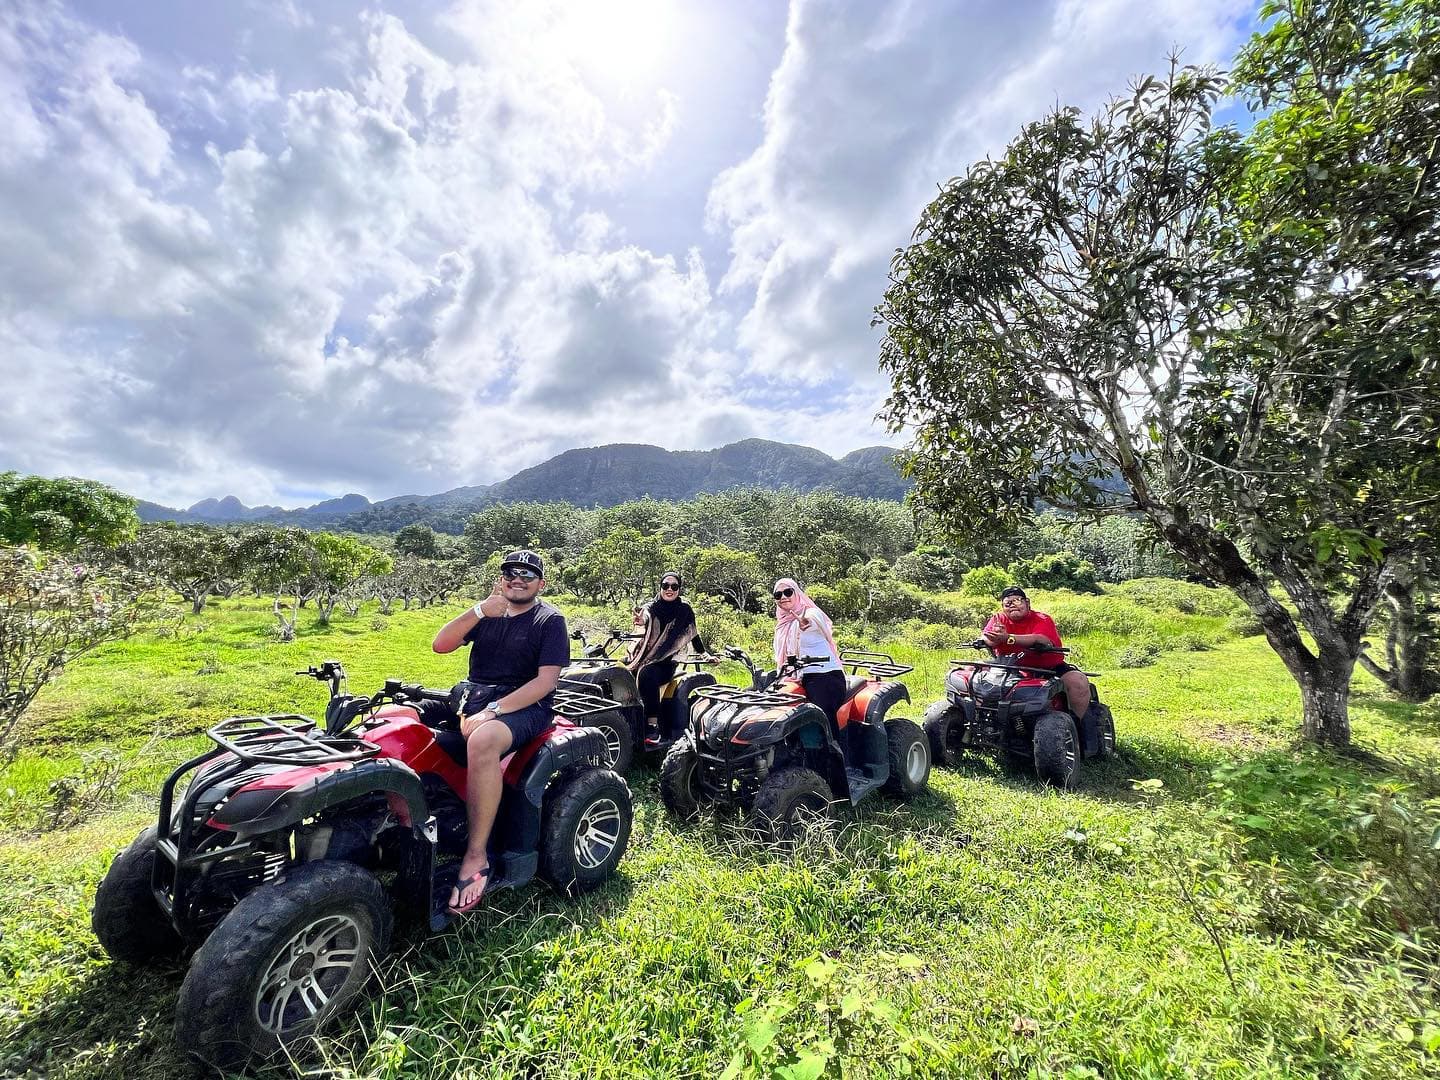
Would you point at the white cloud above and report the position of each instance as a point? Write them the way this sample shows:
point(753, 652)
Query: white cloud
point(871, 107)
point(361, 252)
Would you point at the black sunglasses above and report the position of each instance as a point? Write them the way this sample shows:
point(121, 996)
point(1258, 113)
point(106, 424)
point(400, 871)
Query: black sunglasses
point(780, 594)
point(667, 585)
point(510, 573)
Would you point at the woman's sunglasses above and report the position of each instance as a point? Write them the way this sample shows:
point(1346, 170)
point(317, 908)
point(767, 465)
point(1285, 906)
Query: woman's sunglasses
point(510, 573)
point(669, 586)
point(781, 594)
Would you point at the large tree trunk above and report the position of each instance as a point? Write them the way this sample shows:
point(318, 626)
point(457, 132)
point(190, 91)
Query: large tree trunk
point(1323, 676)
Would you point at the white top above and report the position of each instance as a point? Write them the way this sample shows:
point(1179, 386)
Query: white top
point(813, 643)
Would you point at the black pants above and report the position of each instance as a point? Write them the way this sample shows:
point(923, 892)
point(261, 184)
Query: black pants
point(826, 689)
point(652, 678)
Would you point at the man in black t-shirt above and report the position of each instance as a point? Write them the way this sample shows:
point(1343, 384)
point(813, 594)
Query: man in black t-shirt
point(518, 644)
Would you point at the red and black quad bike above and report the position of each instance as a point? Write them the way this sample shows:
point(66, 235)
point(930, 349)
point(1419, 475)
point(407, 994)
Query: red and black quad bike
point(771, 752)
point(283, 860)
point(626, 729)
point(1019, 711)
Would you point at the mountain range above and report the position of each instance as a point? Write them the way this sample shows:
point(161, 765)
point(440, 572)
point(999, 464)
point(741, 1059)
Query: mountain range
point(592, 476)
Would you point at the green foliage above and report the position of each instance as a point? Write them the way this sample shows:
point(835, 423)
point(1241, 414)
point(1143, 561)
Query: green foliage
point(985, 581)
point(418, 540)
point(832, 1017)
point(63, 514)
point(1050, 910)
point(1062, 570)
point(1139, 652)
point(929, 567)
point(735, 575)
point(505, 527)
point(53, 611)
point(625, 564)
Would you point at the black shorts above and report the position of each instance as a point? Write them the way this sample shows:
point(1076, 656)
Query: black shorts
point(524, 724)
point(1062, 667)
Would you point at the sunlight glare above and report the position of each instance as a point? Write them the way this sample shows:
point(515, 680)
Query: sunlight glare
point(622, 41)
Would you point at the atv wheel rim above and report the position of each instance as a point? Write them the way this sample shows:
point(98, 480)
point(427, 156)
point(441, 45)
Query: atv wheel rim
point(597, 834)
point(917, 761)
point(307, 973)
point(612, 747)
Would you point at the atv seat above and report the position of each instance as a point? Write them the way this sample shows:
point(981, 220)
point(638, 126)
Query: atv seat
point(854, 684)
point(674, 712)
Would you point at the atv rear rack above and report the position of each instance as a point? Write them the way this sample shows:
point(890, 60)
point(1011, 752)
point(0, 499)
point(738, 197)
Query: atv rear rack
point(878, 664)
point(273, 741)
point(576, 704)
point(735, 695)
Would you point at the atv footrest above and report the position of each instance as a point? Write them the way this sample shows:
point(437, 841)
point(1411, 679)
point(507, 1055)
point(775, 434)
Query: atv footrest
point(861, 783)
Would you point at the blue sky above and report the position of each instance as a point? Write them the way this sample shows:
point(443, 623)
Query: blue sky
point(288, 250)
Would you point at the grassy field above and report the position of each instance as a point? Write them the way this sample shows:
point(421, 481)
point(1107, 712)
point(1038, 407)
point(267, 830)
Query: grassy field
point(990, 928)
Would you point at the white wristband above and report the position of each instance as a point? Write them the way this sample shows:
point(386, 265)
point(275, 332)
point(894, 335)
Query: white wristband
point(478, 613)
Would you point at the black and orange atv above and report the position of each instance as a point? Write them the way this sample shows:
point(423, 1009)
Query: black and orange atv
point(1017, 711)
point(626, 730)
point(281, 860)
point(769, 751)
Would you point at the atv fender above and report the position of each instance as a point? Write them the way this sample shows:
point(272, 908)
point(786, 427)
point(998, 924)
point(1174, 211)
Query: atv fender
point(258, 809)
point(517, 825)
point(881, 701)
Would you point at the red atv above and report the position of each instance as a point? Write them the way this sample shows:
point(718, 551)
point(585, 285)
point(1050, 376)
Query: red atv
point(268, 865)
point(1018, 711)
point(626, 731)
point(771, 752)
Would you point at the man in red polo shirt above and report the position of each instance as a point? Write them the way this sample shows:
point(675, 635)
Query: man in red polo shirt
point(1017, 628)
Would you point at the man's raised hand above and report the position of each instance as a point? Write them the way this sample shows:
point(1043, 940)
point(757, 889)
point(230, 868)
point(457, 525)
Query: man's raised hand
point(494, 605)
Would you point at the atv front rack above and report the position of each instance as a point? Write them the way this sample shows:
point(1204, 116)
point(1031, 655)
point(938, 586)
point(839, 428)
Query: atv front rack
point(1013, 667)
point(735, 695)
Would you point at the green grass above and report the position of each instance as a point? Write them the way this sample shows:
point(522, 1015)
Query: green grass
point(1050, 932)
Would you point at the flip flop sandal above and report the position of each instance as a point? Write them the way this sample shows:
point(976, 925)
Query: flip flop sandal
point(461, 886)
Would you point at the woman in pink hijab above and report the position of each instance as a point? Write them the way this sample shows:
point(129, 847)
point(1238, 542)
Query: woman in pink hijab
point(802, 629)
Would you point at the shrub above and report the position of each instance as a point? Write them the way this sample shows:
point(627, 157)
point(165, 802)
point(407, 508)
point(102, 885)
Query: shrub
point(1062, 570)
point(984, 581)
point(1244, 624)
point(938, 636)
point(1141, 652)
point(1167, 594)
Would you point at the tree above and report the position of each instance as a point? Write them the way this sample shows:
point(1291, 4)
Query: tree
point(623, 565)
point(725, 572)
point(53, 610)
point(1114, 318)
point(1062, 570)
point(417, 539)
point(282, 562)
point(196, 561)
point(63, 514)
point(337, 562)
point(507, 526)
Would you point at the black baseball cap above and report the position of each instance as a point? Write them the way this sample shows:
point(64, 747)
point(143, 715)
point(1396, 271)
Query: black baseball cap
point(1013, 590)
point(527, 559)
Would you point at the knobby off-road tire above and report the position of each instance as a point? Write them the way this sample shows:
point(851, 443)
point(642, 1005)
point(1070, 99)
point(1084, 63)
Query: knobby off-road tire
point(1057, 750)
point(944, 725)
point(679, 784)
point(289, 958)
point(127, 918)
point(585, 830)
point(787, 797)
point(1107, 732)
point(619, 740)
point(909, 752)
